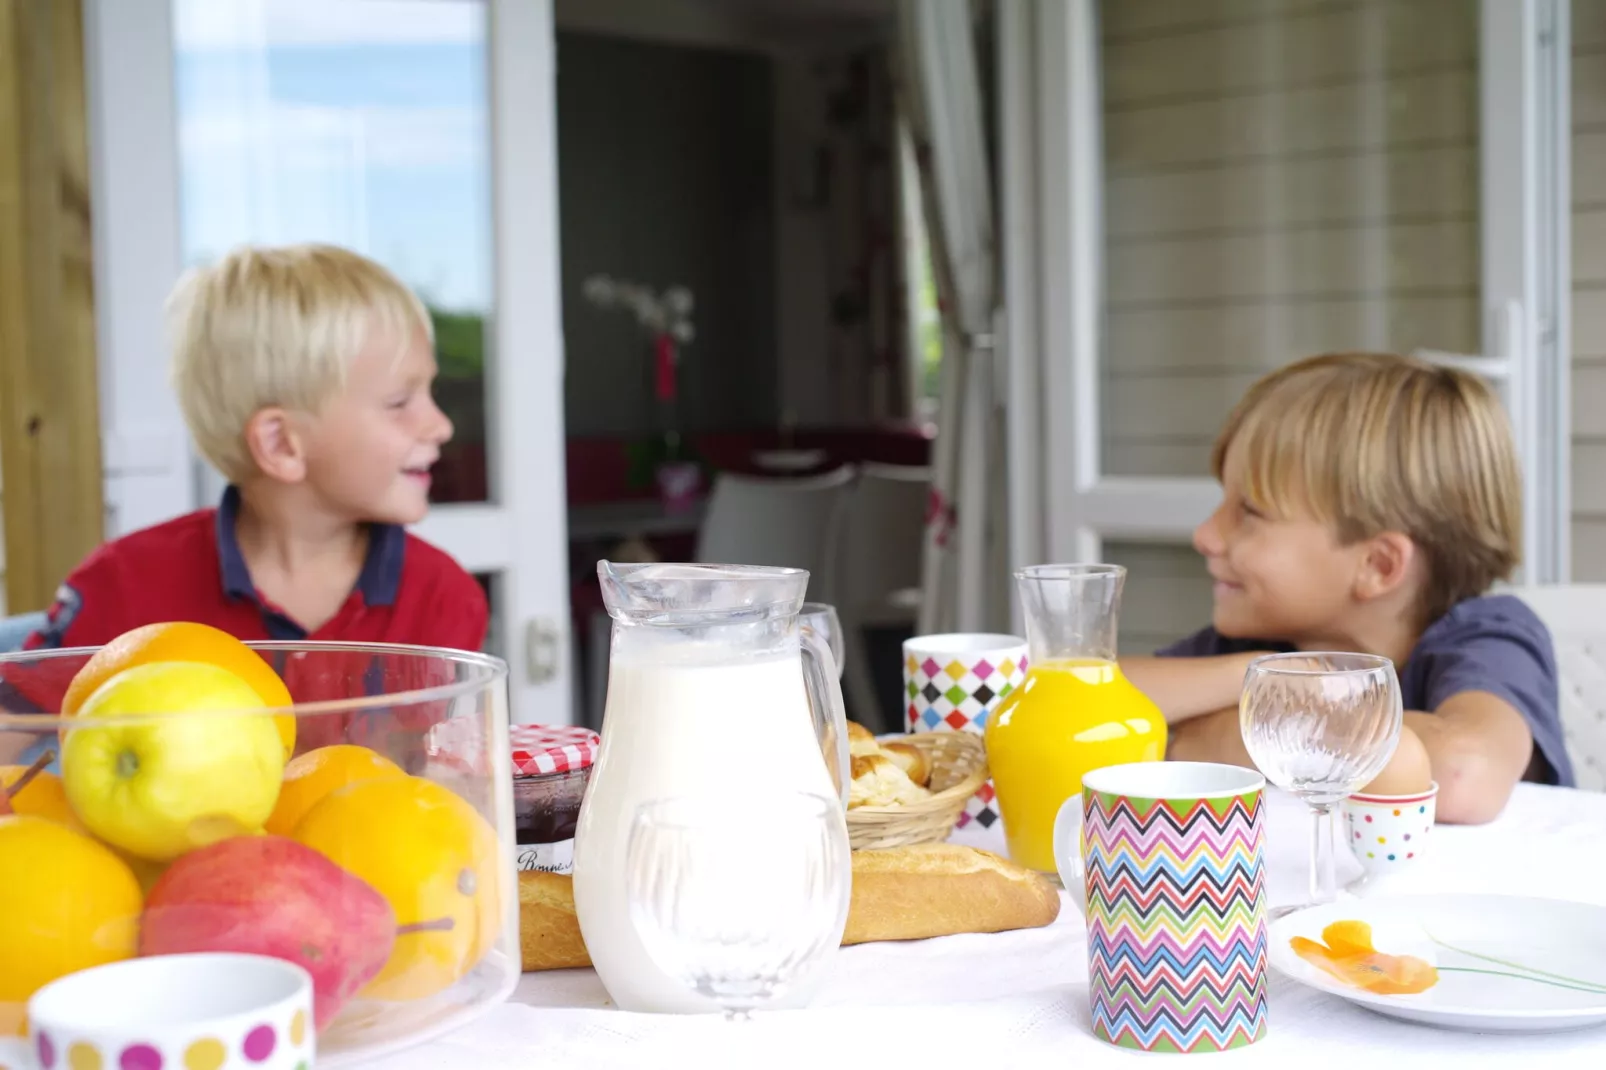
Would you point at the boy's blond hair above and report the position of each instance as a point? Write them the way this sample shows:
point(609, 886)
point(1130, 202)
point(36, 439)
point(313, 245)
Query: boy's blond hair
point(1375, 442)
point(276, 326)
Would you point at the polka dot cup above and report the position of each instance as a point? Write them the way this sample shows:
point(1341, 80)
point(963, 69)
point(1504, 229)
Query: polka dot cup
point(171, 1012)
point(1388, 834)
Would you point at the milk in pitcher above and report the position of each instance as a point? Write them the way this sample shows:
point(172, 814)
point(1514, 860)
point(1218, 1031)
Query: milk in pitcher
point(683, 723)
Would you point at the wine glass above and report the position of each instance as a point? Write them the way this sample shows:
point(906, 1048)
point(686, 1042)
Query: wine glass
point(822, 618)
point(738, 898)
point(1320, 725)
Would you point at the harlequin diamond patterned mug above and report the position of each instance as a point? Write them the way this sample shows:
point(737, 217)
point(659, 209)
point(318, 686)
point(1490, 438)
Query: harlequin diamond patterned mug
point(952, 683)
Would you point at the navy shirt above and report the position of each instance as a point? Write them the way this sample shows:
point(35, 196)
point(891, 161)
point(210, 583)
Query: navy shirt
point(1492, 643)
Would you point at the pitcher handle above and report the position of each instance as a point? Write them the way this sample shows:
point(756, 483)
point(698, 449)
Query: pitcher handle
point(826, 705)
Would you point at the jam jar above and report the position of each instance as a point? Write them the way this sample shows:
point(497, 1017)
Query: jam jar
point(551, 766)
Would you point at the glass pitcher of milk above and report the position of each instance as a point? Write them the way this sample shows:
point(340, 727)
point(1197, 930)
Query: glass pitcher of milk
point(714, 691)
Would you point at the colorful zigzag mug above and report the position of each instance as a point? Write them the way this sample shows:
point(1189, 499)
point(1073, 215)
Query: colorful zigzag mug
point(1167, 859)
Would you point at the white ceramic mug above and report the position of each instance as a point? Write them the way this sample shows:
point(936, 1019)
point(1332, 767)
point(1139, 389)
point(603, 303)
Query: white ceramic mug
point(210, 1011)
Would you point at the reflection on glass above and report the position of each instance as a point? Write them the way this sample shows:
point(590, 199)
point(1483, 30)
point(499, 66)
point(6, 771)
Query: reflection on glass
point(361, 123)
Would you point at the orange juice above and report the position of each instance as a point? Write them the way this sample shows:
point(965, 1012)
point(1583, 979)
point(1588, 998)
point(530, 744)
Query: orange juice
point(1070, 717)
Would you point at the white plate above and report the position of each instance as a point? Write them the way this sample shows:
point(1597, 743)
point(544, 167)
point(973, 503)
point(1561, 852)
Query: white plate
point(1507, 964)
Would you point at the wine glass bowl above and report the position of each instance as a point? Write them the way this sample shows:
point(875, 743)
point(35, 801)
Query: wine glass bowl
point(739, 899)
point(1320, 725)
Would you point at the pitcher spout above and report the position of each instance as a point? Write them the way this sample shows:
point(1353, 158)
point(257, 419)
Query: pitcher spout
point(1072, 612)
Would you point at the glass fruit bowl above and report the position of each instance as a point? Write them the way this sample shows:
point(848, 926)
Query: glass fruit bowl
point(364, 831)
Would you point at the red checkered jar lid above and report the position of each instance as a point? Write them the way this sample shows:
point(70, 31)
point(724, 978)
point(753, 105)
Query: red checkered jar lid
point(541, 750)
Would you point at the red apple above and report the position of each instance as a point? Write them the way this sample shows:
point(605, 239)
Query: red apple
point(268, 895)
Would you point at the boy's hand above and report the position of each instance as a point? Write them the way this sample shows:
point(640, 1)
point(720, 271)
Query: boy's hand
point(1214, 737)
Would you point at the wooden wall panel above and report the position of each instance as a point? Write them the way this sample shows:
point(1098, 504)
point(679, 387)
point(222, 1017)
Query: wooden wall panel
point(49, 408)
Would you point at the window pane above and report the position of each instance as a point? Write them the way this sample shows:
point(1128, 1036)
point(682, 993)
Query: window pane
point(1277, 184)
point(495, 639)
point(362, 123)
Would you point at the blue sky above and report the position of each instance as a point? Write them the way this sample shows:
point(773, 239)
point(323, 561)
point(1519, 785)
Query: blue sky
point(361, 122)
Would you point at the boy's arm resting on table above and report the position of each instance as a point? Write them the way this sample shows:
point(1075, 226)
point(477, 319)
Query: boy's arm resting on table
point(1478, 744)
point(1480, 747)
point(1190, 687)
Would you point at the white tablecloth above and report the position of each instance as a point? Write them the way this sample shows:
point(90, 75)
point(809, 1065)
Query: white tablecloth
point(1019, 999)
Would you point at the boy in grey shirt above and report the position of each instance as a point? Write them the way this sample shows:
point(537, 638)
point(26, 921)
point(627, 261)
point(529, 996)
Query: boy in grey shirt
point(1369, 502)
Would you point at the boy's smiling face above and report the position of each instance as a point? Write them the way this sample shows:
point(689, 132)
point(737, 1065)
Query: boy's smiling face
point(1282, 577)
point(370, 449)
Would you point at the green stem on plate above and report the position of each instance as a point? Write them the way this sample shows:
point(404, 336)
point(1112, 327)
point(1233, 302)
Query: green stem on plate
point(1587, 985)
point(1584, 987)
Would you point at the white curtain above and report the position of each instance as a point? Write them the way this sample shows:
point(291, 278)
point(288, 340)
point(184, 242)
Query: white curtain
point(964, 588)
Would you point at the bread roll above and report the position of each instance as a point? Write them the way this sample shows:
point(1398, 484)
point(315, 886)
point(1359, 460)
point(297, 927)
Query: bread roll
point(879, 781)
point(549, 932)
point(911, 760)
point(861, 741)
point(902, 893)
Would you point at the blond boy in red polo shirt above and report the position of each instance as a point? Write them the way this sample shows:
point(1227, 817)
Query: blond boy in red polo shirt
point(304, 374)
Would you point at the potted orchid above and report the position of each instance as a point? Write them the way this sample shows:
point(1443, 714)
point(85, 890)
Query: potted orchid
point(666, 318)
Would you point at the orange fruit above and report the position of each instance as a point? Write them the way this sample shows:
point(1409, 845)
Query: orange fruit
point(44, 796)
point(437, 862)
point(66, 903)
point(311, 776)
point(184, 641)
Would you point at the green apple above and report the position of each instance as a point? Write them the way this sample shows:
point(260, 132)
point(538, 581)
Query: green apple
point(171, 757)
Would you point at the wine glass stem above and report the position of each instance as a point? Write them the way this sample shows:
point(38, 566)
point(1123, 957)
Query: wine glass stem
point(1323, 882)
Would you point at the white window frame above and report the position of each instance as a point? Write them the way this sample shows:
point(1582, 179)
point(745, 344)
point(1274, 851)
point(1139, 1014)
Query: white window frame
point(152, 472)
point(1053, 185)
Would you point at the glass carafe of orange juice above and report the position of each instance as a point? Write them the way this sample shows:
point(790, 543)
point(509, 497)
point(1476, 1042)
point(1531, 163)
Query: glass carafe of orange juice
point(1074, 713)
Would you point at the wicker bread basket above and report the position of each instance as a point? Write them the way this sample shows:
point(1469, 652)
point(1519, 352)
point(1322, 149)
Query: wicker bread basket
point(958, 768)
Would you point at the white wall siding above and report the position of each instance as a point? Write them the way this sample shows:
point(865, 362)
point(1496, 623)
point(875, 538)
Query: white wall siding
point(1589, 290)
point(1282, 177)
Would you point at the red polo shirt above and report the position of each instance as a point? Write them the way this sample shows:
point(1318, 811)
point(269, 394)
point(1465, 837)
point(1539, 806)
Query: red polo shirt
point(191, 569)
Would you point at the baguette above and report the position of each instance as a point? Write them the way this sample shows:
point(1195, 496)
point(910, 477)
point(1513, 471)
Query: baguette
point(902, 893)
point(939, 889)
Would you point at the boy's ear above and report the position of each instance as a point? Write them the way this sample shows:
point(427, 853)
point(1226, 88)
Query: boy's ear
point(1389, 562)
point(276, 446)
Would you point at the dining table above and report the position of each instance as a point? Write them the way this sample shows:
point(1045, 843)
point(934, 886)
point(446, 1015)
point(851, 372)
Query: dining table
point(1021, 998)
